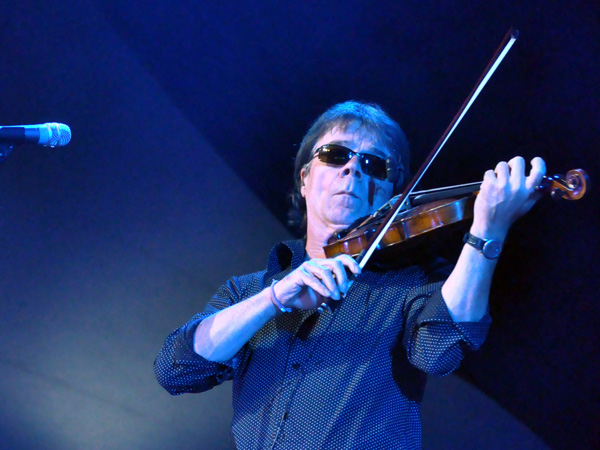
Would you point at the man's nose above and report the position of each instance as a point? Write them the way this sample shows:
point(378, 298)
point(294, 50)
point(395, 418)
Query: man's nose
point(352, 167)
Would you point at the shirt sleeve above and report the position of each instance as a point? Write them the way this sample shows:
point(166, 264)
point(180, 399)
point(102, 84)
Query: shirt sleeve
point(434, 342)
point(179, 369)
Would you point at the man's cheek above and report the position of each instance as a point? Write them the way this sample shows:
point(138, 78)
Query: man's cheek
point(379, 193)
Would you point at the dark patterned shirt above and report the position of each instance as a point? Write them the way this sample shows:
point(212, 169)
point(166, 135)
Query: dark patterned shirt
point(351, 378)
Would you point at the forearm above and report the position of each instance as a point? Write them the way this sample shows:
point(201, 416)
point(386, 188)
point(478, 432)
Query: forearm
point(505, 195)
point(220, 336)
point(467, 289)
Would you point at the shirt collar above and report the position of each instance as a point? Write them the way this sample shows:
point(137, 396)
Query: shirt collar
point(286, 254)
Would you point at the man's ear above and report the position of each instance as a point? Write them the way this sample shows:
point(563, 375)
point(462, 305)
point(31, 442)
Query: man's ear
point(302, 178)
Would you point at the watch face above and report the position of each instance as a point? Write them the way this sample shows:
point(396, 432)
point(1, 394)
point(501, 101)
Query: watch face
point(491, 249)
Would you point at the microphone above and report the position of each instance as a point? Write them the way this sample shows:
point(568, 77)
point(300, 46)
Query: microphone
point(47, 134)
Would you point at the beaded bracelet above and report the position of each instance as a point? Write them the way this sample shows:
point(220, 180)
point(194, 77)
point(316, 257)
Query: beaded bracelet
point(276, 302)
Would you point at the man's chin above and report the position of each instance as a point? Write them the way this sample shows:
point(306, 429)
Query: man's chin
point(346, 221)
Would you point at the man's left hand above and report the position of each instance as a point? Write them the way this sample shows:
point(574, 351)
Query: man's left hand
point(505, 195)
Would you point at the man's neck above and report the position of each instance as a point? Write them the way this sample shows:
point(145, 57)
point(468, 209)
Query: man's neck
point(314, 250)
point(316, 239)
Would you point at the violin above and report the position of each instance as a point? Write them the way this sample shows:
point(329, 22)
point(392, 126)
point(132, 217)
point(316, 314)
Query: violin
point(432, 210)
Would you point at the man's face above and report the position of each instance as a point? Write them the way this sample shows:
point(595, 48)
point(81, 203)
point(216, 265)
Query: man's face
point(338, 195)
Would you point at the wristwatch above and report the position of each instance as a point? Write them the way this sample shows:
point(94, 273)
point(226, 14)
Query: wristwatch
point(490, 248)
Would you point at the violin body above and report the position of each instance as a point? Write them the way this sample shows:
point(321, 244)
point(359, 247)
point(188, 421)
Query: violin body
point(414, 223)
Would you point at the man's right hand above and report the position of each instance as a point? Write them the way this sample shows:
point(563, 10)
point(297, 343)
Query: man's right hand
point(316, 279)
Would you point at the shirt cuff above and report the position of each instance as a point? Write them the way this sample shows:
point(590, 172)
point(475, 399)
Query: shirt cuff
point(186, 351)
point(436, 310)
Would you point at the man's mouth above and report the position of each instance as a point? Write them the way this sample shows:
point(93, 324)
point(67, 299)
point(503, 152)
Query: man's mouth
point(349, 193)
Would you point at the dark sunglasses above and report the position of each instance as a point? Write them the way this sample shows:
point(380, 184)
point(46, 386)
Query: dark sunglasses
point(374, 166)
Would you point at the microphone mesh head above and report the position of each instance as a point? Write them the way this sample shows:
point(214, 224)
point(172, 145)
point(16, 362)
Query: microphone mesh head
point(60, 134)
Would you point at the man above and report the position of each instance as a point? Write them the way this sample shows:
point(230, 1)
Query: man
point(353, 376)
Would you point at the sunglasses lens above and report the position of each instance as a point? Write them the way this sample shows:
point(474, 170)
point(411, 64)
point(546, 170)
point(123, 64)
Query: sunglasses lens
point(335, 155)
point(373, 165)
point(338, 155)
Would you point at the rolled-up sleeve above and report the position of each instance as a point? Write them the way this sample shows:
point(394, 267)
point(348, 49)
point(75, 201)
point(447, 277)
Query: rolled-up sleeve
point(179, 369)
point(434, 342)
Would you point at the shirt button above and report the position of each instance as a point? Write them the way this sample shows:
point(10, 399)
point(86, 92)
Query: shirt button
point(296, 366)
point(285, 415)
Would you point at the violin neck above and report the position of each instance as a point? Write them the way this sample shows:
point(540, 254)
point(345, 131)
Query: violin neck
point(432, 195)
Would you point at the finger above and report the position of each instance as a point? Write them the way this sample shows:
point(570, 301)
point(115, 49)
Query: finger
point(538, 170)
point(489, 177)
point(517, 171)
point(339, 275)
point(502, 172)
point(350, 263)
point(344, 275)
point(311, 281)
point(348, 269)
point(324, 273)
point(489, 181)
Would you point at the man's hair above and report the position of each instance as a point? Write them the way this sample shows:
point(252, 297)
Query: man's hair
point(368, 118)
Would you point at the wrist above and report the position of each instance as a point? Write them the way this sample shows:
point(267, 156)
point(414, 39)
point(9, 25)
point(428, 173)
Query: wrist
point(489, 248)
point(484, 231)
point(276, 303)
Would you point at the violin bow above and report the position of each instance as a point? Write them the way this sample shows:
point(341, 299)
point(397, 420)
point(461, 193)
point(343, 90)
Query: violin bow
point(502, 50)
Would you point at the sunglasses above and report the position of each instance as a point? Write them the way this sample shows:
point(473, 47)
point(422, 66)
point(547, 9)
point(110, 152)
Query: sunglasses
point(374, 166)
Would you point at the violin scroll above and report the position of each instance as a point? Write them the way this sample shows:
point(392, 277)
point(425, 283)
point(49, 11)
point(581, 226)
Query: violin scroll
point(570, 187)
